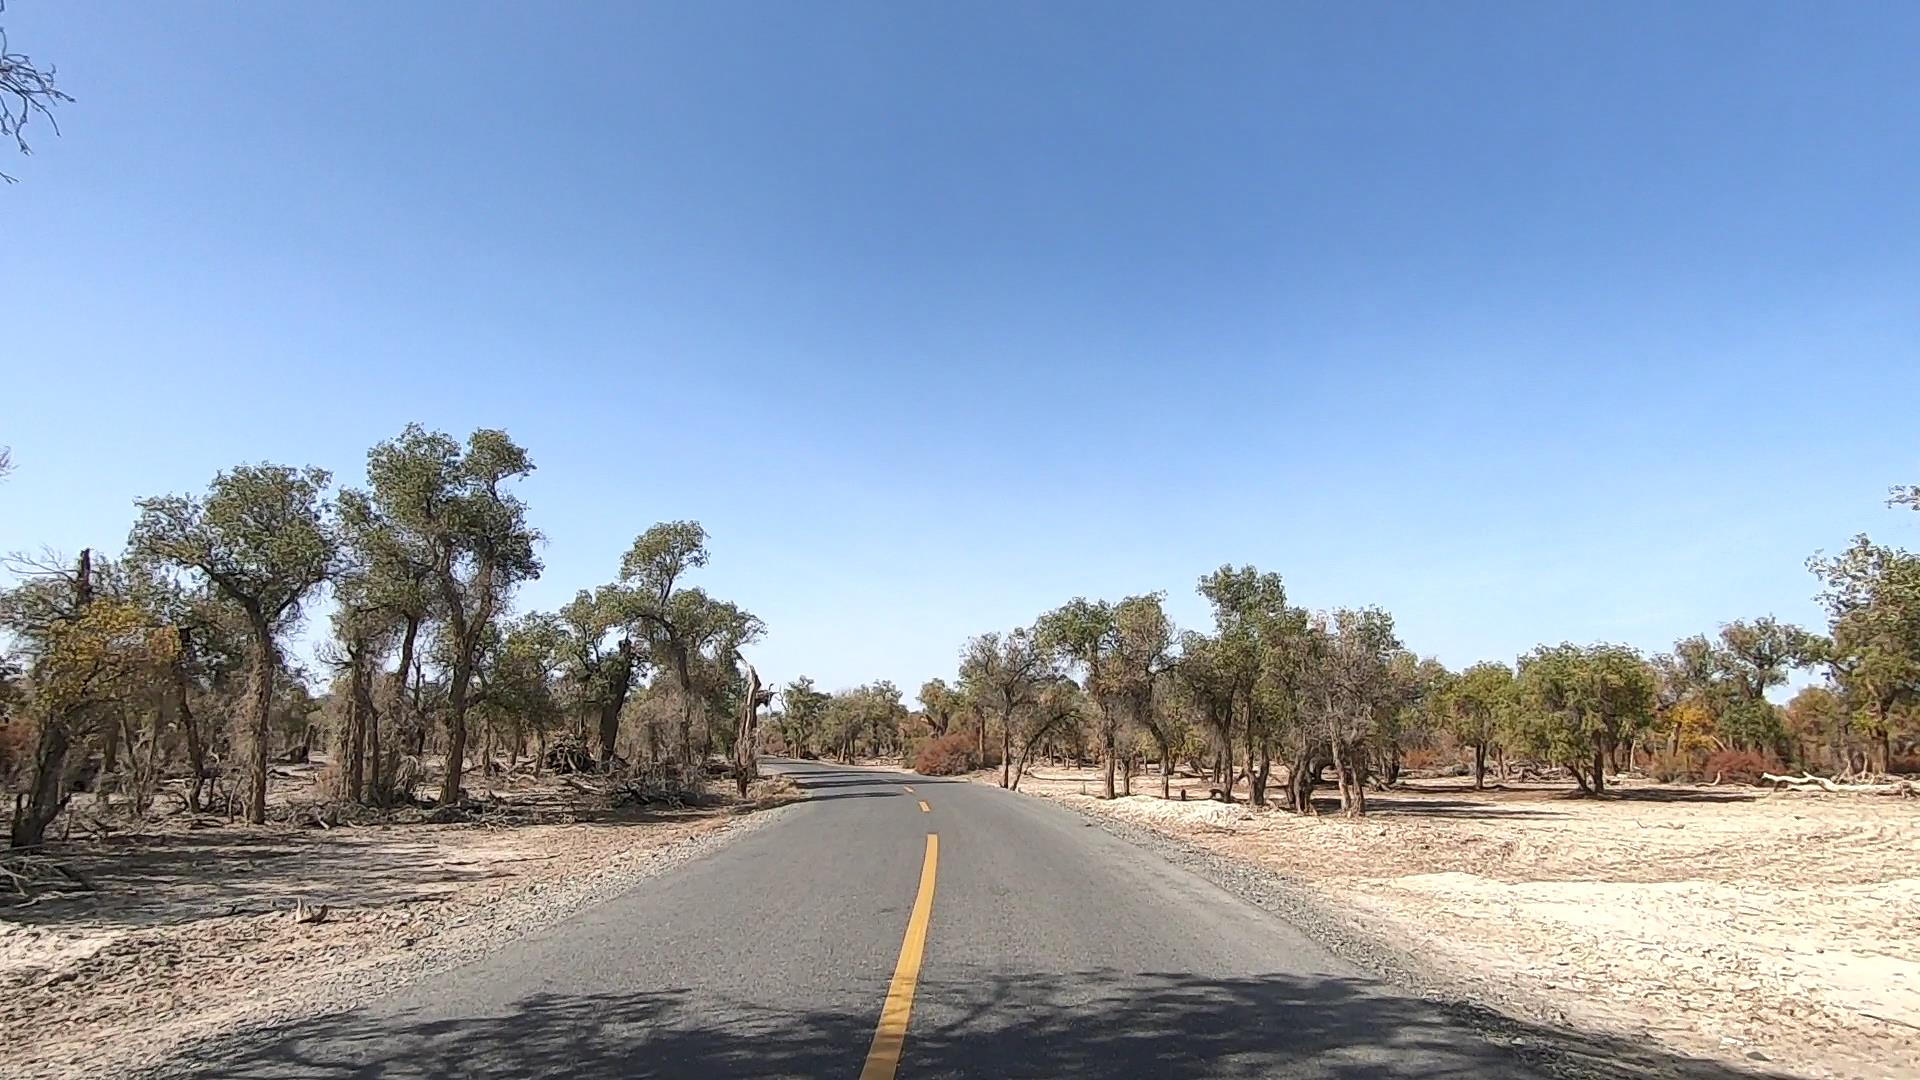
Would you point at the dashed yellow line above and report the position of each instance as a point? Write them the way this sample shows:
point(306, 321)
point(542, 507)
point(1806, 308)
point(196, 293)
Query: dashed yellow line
point(883, 1057)
point(908, 788)
point(924, 808)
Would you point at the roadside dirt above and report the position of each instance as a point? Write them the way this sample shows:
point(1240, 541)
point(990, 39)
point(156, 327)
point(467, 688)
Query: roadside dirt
point(1764, 930)
point(192, 934)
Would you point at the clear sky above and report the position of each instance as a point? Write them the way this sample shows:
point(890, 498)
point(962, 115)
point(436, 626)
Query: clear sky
point(1528, 322)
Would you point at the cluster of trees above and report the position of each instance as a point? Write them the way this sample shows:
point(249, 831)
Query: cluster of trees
point(1335, 696)
point(171, 660)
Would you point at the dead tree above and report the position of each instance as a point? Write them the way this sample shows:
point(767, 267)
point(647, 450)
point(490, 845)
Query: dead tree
point(746, 761)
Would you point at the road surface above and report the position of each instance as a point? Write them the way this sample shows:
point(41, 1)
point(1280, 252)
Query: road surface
point(836, 941)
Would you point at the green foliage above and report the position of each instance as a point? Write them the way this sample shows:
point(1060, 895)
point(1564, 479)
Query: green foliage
point(802, 714)
point(1578, 702)
point(1479, 703)
point(262, 534)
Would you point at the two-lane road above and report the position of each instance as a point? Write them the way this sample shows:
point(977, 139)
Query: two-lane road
point(838, 941)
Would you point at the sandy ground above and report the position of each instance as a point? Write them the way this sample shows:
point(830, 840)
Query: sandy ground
point(1728, 923)
point(192, 934)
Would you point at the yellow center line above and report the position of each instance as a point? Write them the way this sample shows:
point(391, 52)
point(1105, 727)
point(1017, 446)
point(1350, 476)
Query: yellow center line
point(883, 1057)
point(908, 788)
point(924, 808)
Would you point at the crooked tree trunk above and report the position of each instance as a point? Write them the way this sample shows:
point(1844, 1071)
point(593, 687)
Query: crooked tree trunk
point(190, 724)
point(746, 761)
point(43, 802)
point(457, 689)
point(1341, 777)
point(1257, 777)
point(619, 682)
point(266, 660)
point(401, 717)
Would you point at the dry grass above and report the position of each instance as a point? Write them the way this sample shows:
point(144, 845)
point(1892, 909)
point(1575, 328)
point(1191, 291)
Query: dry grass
point(192, 932)
point(1716, 920)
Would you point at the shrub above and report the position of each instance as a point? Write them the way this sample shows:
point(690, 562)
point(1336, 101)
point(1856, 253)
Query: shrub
point(1672, 768)
point(1739, 766)
point(1423, 759)
point(16, 748)
point(1904, 764)
point(944, 756)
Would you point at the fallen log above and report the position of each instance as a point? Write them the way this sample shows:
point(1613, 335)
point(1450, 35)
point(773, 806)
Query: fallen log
point(1807, 781)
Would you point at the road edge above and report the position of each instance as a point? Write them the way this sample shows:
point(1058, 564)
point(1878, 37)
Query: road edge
point(1510, 1021)
point(198, 1057)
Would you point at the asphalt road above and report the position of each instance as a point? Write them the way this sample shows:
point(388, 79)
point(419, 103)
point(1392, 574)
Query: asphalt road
point(1051, 949)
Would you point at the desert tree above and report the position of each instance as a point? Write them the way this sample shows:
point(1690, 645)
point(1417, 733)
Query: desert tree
point(1755, 657)
point(1142, 657)
point(1206, 686)
point(1004, 674)
point(27, 91)
point(1059, 704)
point(362, 632)
point(1579, 702)
point(746, 761)
point(263, 537)
point(941, 704)
point(1414, 712)
point(1476, 706)
point(395, 571)
point(1085, 634)
point(1816, 720)
point(516, 679)
point(1872, 596)
point(1262, 650)
point(602, 658)
point(1357, 692)
point(802, 713)
point(450, 508)
point(682, 622)
point(82, 654)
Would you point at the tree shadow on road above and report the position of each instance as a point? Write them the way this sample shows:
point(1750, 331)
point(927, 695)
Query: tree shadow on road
point(1098, 1023)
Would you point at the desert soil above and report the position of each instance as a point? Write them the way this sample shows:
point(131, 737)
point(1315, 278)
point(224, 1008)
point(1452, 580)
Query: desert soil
point(192, 934)
point(1769, 930)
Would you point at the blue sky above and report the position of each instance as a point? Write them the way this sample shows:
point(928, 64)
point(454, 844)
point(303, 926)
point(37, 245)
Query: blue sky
point(1528, 322)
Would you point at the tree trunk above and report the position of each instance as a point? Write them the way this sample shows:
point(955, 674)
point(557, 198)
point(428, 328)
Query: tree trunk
point(1107, 746)
point(1479, 766)
point(1006, 752)
point(1882, 748)
point(1599, 771)
point(619, 680)
point(1580, 778)
point(1166, 770)
point(746, 768)
point(357, 725)
point(1340, 777)
point(1257, 778)
point(46, 798)
point(266, 661)
point(401, 719)
point(182, 693)
point(456, 732)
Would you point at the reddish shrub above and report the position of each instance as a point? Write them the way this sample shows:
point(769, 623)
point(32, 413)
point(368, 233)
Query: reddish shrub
point(1904, 765)
point(1739, 766)
point(944, 756)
